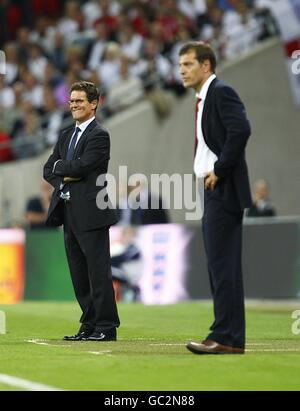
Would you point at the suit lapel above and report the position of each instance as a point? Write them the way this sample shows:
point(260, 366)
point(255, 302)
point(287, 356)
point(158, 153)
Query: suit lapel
point(206, 106)
point(66, 142)
point(83, 137)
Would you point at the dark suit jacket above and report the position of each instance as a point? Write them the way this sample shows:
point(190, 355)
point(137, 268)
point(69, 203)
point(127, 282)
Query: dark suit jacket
point(90, 160)
point(226, 130)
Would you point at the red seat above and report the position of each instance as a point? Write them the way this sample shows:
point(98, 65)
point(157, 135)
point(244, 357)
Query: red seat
point(5, 149)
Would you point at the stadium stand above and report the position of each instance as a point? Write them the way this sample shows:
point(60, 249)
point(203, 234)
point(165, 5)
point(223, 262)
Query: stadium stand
point(128, 48)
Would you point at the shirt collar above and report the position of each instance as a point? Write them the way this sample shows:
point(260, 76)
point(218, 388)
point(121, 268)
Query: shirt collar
point(84, 125)
point(204, 89)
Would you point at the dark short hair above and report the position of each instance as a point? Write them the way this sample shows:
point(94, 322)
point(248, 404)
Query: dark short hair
point(203, 51)
point(92, 93)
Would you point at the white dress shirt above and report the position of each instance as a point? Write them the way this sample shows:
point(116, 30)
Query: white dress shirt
point(82, 127)
point(204, 158)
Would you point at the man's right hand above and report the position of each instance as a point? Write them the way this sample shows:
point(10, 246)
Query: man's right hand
point(71, 179)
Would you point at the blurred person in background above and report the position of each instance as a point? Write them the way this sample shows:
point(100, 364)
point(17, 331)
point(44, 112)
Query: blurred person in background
point(33, 90)
point(125, 91)
point(97, 48)
point(37, 207)
point(222, 131)
point(95, 9)
point(37, 62)
point(7, 95)
point(12, 61)
point(54, 118)
point(28, 140)
point(262, 206)
point(80, 156)
point(109, 69)
point(149, 210)
point(71, 22)
point(10, 102)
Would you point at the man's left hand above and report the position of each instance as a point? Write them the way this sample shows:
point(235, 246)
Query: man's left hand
point(210, 180)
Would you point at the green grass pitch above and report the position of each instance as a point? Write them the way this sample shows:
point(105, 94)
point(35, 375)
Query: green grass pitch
point(150, 353)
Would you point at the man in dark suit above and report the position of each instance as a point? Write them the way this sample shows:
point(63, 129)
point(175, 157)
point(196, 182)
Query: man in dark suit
point(222, 131)
point(82, 154)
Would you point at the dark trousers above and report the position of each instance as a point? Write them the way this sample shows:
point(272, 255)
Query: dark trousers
point(88, 255)
point(222, 233)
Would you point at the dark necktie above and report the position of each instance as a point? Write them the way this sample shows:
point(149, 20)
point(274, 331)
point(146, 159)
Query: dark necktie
point(196, 120)
point(72, 145)
point(69, 156)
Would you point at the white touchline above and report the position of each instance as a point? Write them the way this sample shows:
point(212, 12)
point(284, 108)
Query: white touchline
point(26, 384)
point(258, 350)
point(166, 344)
point(107, 353)
point(42, 342)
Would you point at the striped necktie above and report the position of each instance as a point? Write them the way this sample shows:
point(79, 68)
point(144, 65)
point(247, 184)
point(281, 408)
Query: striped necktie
point(72, 145)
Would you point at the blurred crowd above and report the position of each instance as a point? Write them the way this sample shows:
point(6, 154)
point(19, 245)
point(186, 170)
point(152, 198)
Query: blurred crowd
point(128, 48)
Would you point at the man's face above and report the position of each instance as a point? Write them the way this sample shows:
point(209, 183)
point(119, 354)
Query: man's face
point(80, 107)
point(192, 72)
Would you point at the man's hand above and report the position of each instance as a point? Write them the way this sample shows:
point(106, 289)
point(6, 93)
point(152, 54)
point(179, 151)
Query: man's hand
point(210, 180)
point(71, 179)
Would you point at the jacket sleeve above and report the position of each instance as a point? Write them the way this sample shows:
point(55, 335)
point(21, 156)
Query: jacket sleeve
point(95, 153)
point(48, 168)
point(233, 117)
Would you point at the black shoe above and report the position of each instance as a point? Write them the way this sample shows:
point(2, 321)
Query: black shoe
point(81, 335)
point(104, 335)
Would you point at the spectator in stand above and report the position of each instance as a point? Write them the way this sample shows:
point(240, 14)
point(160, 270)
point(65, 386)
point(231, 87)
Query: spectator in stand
point(125, 91)
point(141, 207)
point(108, 18)
point(262, 206)
point(29, 140)
point(94, 10)
point(54, 118)
point(10, 116)
point(7, 96)
point(158, 69)
point(61, 91)
point(108, 71)
point(23, 43)
point(43, 33)
point(33, 90)
point(52, 76)
point(212, 27)
point(98, 46)
point(37, 207)
point(140, 15)
point(72, 21)
point(240, 29)
point(12, 69)
point(131, 42)
point(37, 62)
point(57, 54)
